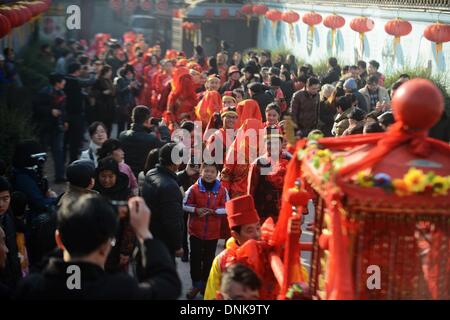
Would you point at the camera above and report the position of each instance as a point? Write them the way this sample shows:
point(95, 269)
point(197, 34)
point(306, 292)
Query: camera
point(122, 208)
point(155, 121)
point(40, 158)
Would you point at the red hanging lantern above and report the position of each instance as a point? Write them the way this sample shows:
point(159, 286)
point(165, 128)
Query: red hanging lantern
point(397, 28)
point(28, 14)
point(47, 3)
point(209, 13)
point(333, 22)
point(290, 18)
point(23, 14)
point(162, 5)
point(5, 26)
point(116, 5)
point(247, 10)
point(274, 16)
point(12, 16)
point(146, 5)
point(224, 13)
point(176, 13)
point(362, 25)
point(438, 33)
point(260, 9)
point(131, 5)
point(311, 19)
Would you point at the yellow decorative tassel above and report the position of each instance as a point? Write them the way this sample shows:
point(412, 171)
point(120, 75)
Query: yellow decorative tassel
point(248, 20)
point(438, 49)
point(361, 39)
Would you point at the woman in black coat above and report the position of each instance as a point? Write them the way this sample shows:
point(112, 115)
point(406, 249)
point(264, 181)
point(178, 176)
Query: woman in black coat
point(104, 93)
point(113, 185)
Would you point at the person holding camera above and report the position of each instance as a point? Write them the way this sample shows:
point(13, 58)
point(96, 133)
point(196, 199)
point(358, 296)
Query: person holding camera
point(113, 185)
point(127, 89)
point(96, 219)
point(28, 177)
point(50, 115)
point(76, 108)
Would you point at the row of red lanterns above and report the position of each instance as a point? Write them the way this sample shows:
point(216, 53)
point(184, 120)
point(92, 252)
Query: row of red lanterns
point(17, 14)
point(437, 32)
point(131, 5)
point(190, 26)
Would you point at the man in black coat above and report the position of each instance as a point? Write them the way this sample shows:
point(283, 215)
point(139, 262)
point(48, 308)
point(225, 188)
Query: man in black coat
point(334, 72)
point(257, 91)
point(86, 230)
point(50, 115)
point(140, 140)
point(75, 107)
point(163, 195)
point(11, 272)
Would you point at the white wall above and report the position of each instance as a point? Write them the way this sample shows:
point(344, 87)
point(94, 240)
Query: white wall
point(413, 49)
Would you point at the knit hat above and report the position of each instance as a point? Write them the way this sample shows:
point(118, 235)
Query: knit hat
point(241, 211)
point(350, 84)
point(80, 173)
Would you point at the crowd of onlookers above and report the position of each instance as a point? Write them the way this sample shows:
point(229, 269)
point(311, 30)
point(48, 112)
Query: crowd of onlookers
point(129, 210)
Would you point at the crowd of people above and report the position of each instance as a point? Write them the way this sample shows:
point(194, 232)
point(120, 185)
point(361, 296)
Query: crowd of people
point(130, 209)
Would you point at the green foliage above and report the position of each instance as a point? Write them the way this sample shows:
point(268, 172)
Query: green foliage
point(15, 126)
point(15, 122)
point(442, 81)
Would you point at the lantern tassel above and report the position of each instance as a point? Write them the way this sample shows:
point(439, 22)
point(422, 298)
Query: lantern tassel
point(361, 39)
point(274, 26)
point(396, 43)
point(248, 20)
point(291, 32)
point(333, 34)
point(438, 50)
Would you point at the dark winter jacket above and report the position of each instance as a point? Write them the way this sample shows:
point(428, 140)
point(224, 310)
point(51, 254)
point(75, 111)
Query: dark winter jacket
point(10, 276)
point(138, 142)
point(47, 100)
point(332, 75)
point(161, 280)
point(75, 96)
point(27, 182)
point(125, 239)
point(305, 111)
point(162, 194)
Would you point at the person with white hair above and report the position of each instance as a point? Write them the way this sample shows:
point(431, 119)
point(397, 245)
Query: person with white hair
point(327, 111)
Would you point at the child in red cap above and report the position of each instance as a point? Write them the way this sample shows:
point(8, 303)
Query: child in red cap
point(245, 225)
